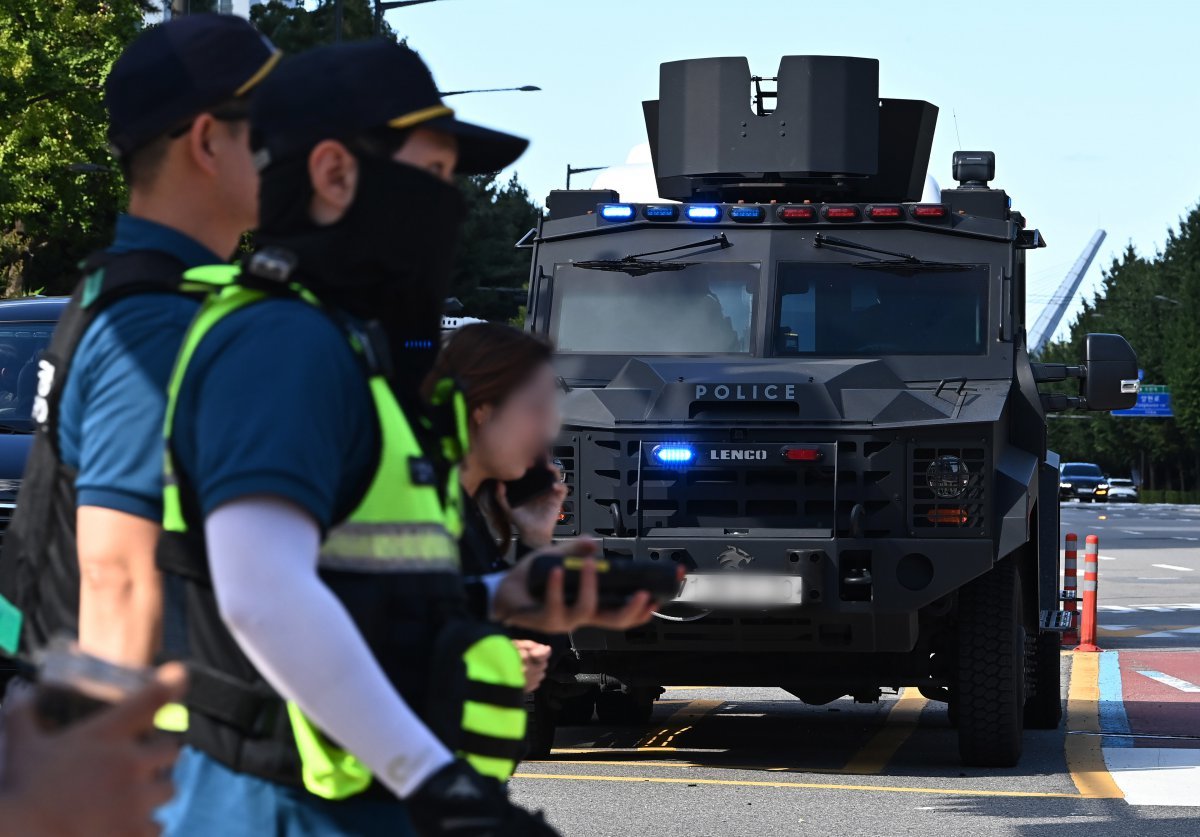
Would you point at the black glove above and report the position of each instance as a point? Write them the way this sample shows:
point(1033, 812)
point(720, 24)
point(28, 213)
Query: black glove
point(459, 802)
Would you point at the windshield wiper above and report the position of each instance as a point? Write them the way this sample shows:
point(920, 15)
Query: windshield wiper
point(897, 261)
point(12, 428)
point(637, 265)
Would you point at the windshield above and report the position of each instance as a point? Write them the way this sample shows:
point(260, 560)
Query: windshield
point(1081, 470)
point(852, 310)
point(706, 308)
point(21, 346)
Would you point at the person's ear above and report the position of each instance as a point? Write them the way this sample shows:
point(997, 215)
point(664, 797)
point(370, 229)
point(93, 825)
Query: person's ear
point(333, 171)
point(481, 415)
point(200, 143)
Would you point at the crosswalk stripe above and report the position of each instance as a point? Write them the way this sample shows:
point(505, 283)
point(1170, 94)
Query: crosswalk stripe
point(1169, 680)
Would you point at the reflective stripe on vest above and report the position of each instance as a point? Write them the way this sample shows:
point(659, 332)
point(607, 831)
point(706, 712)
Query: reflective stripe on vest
point(491, 661)
point(403, 523)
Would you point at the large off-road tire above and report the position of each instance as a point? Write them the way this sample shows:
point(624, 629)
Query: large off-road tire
point(540, 725)
point(632, 708)
point(577, 710)
point(1043, 704)
point(990, 693)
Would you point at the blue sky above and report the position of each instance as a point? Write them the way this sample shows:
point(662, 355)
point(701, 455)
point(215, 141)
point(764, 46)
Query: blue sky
point(1091, 107)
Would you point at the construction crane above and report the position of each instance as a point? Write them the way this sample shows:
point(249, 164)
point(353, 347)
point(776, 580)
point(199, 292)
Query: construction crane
point(1048, 321)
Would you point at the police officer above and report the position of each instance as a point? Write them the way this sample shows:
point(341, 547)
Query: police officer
point(178, 109)
point(312, 502)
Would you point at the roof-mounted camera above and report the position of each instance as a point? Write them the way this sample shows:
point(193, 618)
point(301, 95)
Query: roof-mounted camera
point(974, 169)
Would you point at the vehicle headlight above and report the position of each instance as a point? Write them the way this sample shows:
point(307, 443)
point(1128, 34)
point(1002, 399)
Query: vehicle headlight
point(1102, 487)
point(1065, 485)
point(947, 476)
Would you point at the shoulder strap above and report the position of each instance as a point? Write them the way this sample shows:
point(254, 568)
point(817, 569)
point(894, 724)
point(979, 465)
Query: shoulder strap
point(107, 278)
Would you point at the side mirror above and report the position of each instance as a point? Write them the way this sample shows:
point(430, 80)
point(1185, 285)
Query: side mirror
point(1112, 373)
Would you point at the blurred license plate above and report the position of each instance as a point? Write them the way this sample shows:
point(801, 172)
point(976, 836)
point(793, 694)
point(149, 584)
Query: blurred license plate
point(741, 589)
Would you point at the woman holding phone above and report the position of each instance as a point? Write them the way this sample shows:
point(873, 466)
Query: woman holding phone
point(512, 408)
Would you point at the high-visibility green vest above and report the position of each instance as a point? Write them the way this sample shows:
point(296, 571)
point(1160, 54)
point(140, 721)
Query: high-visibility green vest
point(394, 564)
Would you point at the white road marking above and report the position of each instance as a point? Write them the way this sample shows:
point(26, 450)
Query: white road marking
point(1175, 634)
point(1160, 608)
point(1115, 627)
point(1106, 558)
point(1183, 538)
point(1155, 776)
point(1172, 567)
point(1157, 577)
point(1132, 532)
point(1168, 680)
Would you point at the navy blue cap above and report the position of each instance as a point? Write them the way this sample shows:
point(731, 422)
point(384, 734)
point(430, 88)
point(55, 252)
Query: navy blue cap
point(173, 72)
point(343, 90)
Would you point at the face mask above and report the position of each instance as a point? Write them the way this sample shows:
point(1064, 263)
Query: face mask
point(388, 259)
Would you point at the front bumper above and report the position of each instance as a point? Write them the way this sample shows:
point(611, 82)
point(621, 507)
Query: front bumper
point(861, 595)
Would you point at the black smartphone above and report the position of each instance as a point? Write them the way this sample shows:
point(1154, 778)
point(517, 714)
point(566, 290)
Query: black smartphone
point(537, 481)
point(618, 579)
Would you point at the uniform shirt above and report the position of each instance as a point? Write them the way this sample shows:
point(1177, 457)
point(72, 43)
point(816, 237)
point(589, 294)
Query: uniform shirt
point(275, 402)
point(111, 413)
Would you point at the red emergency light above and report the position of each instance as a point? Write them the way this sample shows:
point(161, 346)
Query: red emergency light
point(792, 454)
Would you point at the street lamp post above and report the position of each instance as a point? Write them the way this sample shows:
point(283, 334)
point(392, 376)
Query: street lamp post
point(525, 88)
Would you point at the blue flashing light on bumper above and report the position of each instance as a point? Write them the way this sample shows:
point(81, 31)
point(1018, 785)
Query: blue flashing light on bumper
point(673, 454)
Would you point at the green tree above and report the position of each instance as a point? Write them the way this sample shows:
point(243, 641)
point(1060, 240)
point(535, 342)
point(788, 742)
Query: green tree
point(58, 191)
point(293, 27)
point(491, 272)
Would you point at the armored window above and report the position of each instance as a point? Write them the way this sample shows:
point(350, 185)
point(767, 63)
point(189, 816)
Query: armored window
point(841, 310)
point(702, 309)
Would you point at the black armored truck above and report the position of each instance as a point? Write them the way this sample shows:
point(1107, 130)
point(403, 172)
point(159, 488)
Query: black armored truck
point(811, 389)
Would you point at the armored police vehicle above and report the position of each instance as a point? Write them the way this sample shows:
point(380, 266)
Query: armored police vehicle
point(812, 390)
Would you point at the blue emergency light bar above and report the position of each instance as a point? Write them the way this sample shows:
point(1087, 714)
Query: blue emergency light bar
point(749, 213)
point(703, 212)
point(660, 212)
point(617, 212)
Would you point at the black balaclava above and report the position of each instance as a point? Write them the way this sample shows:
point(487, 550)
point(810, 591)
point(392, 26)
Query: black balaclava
point(388, 259)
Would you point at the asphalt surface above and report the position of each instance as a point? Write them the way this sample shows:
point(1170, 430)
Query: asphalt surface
point(759, 762)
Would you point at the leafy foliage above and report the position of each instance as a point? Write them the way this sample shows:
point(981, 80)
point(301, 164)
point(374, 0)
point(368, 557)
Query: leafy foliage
point(1155, 302)
point(293, 27)
point(491, 272)
point(58, 191)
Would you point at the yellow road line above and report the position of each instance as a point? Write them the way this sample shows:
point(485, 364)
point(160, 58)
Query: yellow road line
point(900, 723)
point(1085, 754)
point(795, 785)
point(679, 722)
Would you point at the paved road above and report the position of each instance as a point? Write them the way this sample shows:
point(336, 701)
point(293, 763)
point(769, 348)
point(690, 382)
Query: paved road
point(759, 762)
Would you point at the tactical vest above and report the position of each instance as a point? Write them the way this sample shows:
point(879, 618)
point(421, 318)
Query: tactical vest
point(393, 562)
point(39, 566)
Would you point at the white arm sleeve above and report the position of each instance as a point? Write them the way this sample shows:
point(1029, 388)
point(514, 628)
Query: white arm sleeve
point(263, 558)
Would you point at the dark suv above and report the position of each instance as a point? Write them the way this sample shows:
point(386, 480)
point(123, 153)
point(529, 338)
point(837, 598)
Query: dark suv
point(1082, 481)
point(26, 326)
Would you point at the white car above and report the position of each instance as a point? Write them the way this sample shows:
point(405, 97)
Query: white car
point(1122, 491)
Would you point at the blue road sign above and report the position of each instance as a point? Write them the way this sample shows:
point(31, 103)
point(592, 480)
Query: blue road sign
point(1149, 405)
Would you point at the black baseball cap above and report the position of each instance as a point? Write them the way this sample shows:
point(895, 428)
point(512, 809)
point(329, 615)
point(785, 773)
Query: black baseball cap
point(178, 70)
point(344, 90)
